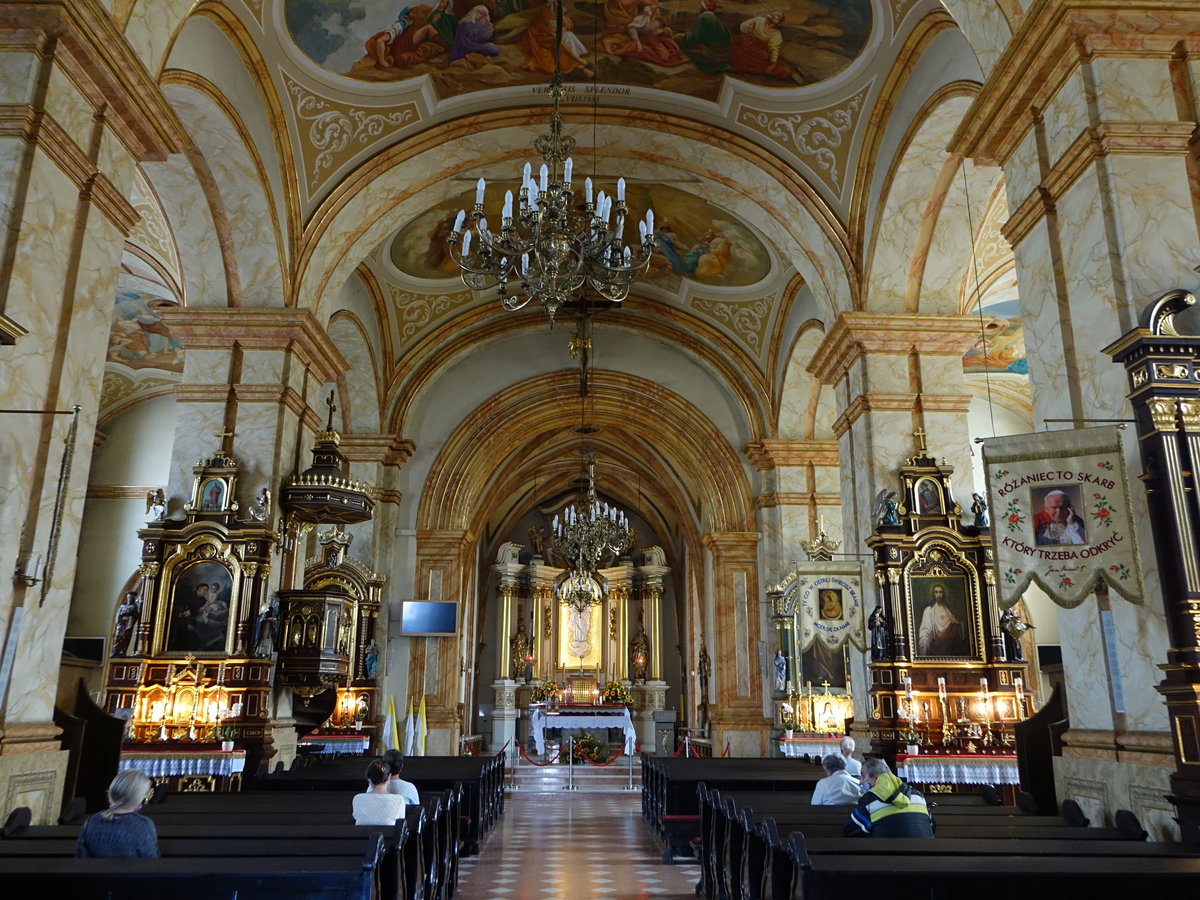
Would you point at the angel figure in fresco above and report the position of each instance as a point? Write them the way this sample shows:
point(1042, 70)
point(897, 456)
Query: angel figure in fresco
point(755, 49)
point(418, 33)
point(538, 44)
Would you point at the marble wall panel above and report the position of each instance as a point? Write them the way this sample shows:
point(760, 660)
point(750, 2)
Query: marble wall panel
point(109, 555)
point(18, 77)
point(826, 480)
point(887, 372)
point(69, 108)
point(364, 414)
point(196, 427)
point(202, 365)
point(1065, 117)
point(113, 159)
point(1104, 786)
point(35, 780)
point(1084, 667)
point(255, 448)
point(264, 366)
point(1157, 225)
point(1142, 643)
point(150, 27)
point(1043, 326)
point(985, 27)
point(12, 151)
point(792, 479)
point(1022, 171)
point(1133, 90)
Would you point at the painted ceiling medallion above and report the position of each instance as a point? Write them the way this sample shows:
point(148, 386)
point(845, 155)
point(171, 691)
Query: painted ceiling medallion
point(672, 45)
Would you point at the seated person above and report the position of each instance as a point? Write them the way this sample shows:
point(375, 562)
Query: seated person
point(377, 806)
point(406, 789)
point(120, 832)
point(853, 766)
point(838, 786)
point(889, 808)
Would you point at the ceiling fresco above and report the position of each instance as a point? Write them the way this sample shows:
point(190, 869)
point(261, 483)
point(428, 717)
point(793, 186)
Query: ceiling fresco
point(693, 239)
point(139, 338)
point(1001, 347)
point(683, 46)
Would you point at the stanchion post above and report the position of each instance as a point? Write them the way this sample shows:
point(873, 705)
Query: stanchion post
point(570, 762)
point(516, 752)
point(630, 755)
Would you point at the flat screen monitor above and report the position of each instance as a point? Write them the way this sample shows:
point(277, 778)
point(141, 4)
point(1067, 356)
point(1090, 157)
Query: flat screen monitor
point(429, 617)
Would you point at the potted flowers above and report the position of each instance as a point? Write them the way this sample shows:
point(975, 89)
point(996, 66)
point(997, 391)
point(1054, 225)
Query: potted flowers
point(615, 692)
point(546, 692)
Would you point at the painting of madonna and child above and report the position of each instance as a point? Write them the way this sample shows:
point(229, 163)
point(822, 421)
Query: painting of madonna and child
point(687, 46)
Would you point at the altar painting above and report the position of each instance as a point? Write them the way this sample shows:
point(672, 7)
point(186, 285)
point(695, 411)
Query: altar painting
point(942, 617)
point(199, 608)
point(674, 45)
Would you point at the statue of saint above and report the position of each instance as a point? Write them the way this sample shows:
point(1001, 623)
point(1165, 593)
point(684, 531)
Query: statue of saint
point(979, 509)
point(779, 666)
point(877, 625)
point(639, 654)
point(518, 647)
point(129, 613)
point(371, 660)
point(265, 633)
point(1013, 627)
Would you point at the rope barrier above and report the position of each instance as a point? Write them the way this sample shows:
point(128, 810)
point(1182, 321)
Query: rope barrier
point(549, 762)
point(500, 752)
point(602, 765)
point(726, 753)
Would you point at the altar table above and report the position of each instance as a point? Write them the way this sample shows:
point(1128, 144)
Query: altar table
point(335, 744)
point(809, 745)
point(584, 718)
point(188, 771)
point(959, 769)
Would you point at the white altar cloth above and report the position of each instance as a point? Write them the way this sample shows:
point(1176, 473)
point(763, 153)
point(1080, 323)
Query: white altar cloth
point(201, 762)
point(540, 720)
point(958, 769)
point(809, 746)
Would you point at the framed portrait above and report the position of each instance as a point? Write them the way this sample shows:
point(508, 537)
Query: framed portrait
point(942, 617)
point(1056, 518)
point(198, 613)
point(819, 664)
point(212, 494)
point(927, 497)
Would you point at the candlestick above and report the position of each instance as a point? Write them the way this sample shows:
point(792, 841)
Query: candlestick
point(942, 688)
point(908, 688)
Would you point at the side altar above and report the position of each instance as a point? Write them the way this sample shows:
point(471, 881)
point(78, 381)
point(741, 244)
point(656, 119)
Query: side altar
point(948, 672)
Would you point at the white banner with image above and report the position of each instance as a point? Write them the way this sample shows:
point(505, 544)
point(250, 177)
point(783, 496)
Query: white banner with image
point(1061, 515)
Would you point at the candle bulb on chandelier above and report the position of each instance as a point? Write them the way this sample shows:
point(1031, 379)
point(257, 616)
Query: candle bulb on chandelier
point(459, 219)
point(567, 167)
point(479, 185)
point(544, 176)
point(587, 191)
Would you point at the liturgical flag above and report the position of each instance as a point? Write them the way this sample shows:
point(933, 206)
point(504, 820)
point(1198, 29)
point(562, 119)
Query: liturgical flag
point(422, 730)
point(409, 730)
point(391, 734)
point(1061, 515)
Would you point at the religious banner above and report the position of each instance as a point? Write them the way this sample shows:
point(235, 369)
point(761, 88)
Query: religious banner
point(1061, 515)
point(830, 610)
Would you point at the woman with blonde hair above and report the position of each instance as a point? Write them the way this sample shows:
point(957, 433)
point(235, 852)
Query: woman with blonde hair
point(121, 832)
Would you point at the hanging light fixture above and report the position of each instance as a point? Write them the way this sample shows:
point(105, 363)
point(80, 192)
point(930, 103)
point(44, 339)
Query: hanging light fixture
point(552, 246)
point(584, 533)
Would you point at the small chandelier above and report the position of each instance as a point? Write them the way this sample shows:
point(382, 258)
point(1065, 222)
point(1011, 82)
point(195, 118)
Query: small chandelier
point(554, 247)
point(584, 533)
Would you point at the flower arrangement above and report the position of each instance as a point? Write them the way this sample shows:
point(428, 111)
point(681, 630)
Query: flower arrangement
point(546, 691)
point(586, 746)
point(910, 736)
point(615, 692)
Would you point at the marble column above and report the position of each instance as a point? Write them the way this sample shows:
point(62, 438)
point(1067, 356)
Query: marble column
point(801, 496)
point(444, 567)
point(77, 113)
point(651, 579)
point(1092, 112)
point(739, 654)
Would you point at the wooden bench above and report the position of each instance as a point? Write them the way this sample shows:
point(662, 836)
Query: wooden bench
point(999, 876)
point(330, 877)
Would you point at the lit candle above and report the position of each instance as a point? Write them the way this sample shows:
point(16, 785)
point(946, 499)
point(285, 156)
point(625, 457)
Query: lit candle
point(942, 688)
point(479, 185)
point(908, 688)
point(983, 686)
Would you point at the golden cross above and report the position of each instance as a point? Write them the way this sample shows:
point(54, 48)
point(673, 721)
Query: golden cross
point(920, 435)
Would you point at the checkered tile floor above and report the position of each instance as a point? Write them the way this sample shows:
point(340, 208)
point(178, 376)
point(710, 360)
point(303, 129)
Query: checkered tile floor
point(577, 846)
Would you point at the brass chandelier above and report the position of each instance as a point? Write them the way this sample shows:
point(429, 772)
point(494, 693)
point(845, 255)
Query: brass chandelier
point(584, 534)
point(552, 246)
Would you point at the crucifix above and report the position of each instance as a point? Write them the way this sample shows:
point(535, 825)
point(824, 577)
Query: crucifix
point(332, 410)
point(920, 435)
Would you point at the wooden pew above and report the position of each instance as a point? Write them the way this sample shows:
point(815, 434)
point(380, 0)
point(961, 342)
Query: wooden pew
point(345, 877)
point(995, 877)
